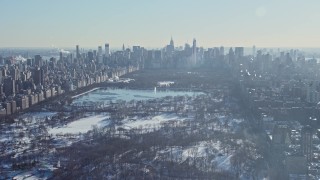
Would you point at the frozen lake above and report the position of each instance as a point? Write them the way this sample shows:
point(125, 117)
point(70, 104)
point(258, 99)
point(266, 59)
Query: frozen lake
point(106, 95)
point(82, 125)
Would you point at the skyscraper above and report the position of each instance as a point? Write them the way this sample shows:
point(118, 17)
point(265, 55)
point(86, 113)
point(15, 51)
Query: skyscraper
point(37, 76)
point(99, 50)
point(194, 52)
point(239, 52)
point(61, 56)
point(107, 49)
point(194, 46)
point(77, 51)
point(90, 55)
point(172, 43)
point(9, 86)
point(231, 56)
point(38, 60)
point(306, 142)
point(170, 47)
point(221, 51)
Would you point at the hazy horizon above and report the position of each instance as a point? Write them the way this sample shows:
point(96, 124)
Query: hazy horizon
point(150, 24)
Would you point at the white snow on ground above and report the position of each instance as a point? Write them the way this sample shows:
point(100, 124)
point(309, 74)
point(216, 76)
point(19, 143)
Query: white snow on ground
point(223, 162)
point(82, 125)
point(202, 149)
point(4, 139)
point(150, 122)
point(38, 114)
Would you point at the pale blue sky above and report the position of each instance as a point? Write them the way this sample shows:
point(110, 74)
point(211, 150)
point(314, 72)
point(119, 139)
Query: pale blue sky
point(151, 23)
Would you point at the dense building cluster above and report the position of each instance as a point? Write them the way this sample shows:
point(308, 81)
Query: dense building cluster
point(279, 89)
point(26, 83)
point(282, 91)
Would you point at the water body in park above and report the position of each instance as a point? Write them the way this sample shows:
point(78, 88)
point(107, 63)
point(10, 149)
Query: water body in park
point(106, 95)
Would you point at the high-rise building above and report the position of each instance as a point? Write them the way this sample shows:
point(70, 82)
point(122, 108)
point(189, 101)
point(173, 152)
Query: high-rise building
point(99, 55)
point(231, 56)
point(29, 62)
point(172, 43)
point(136, 49)
point(194, 52)
point(107, 49)
point(170, 47)
point(37, 76)
point(77, 51)
point(38, 60)
point(221, 51)
point(216, 52)
point(15, 73)
point(312, 93)
point(90, 55)
point(61, 56)
point(306, 142)
point(239, 52)
point(9, 86)
point(158, 55)
point(194, 46)
point(99, 50)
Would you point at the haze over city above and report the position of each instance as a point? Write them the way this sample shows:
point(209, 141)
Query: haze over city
point(272, 23)
point(167, 89)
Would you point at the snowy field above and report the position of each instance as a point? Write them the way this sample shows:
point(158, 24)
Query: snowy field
point(86, 124)
point(204, 149)
point(82, 125)
point(150, 122)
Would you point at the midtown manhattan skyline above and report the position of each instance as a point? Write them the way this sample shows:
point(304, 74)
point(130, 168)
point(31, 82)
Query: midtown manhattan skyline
point(151, 23)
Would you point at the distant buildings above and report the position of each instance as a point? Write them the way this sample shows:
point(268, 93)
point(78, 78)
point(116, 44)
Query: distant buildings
point(26, 83)
point(107, 50)
point(306, 142)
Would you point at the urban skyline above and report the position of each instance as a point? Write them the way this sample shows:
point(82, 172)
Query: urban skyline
point(149, 24)
point(164, 89)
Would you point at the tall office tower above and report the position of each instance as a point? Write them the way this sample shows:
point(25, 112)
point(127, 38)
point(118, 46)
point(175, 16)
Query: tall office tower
point(60, 56)
point(170, 47)
point(90, 55)
point(172, 43)
point(9, 86)
point(99, 55)
point(216, 52)
point(37, 76)
point(254, 51)
point(306, 142)
point(239, 52)
point(221, 51)
point(136, 49)
point(194, 51)
point(29, 62)
point(15, 73)
point(194, 46)
point(107, 49)
point(231, 56)
point(77, 51)
point(99, 50)
point(38, 60)
point(1, 76)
